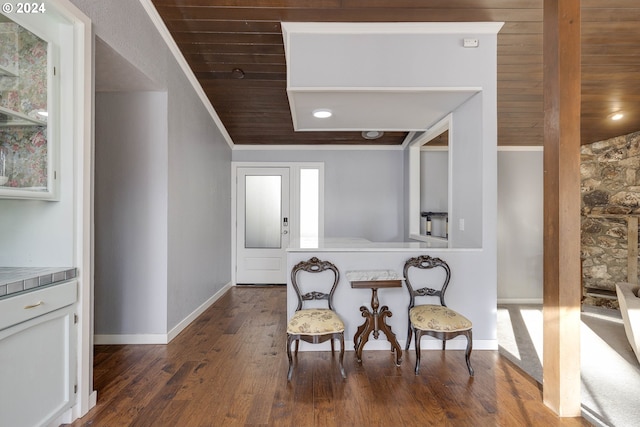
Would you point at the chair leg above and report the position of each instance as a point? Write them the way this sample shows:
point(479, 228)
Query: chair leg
point(289, 339)
point(406, 347)
point(341, 355)
point(467, 353)
point(418, 335)
point(332, 348)
point(444, 344)
point(297, 343)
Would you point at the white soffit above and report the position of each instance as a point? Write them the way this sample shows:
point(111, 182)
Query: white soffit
point(387, 110)
point(384, 76)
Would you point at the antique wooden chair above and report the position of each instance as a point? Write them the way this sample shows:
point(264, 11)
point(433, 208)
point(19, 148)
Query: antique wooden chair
point(436, 320)
point(314, 325)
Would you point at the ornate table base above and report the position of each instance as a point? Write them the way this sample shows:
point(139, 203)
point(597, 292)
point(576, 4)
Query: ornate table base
point(374, 319)
point(375, 322)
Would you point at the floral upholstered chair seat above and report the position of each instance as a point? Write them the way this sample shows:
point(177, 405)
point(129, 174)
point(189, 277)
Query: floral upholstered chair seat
point(438, 318)
point(315, 321)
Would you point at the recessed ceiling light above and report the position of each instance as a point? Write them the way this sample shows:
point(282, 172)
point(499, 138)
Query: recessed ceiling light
point(372, 134)
point(616, 116)
point(322, 113)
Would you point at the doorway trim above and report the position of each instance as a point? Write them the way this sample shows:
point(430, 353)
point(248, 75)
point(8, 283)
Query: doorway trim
point(294, 200)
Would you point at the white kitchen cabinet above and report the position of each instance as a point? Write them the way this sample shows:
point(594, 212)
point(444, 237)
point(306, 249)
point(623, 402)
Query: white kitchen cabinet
point(28, 112)
point(37, 355)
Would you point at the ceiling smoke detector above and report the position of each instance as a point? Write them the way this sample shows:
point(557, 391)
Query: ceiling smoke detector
point(237, 73)
point(372, 134)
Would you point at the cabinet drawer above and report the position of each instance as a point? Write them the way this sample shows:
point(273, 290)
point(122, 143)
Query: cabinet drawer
point(23, 307)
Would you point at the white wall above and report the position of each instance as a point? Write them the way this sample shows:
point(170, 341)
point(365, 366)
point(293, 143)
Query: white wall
point(473, 177)
point(364, 194)
point(434, 189)
point(198, 165)
point(199, 204)
point(434, 180)
point(520, 223)
point(131, 213)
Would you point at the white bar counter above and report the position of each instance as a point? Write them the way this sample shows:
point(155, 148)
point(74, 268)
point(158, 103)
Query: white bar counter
point(355, 244)
point(472, 290)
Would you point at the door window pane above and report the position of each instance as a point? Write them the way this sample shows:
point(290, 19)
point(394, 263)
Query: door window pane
point(263, 202)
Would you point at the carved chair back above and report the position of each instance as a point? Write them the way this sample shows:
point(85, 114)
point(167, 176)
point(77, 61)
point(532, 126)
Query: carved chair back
point(314, 265)
point(426, 262)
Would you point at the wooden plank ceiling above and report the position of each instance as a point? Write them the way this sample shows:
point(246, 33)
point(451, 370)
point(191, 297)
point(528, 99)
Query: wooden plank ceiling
point(220, 36)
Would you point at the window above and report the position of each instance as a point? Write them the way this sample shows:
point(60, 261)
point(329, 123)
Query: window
point(309, 205)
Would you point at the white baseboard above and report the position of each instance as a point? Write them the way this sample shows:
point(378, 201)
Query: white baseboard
point(65, 418)
point(536, 301)
point(93, 399)
point(121, 339)
point(197, 312)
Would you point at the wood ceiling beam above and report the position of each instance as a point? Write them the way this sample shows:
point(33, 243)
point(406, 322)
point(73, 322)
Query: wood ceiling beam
point(562, 284)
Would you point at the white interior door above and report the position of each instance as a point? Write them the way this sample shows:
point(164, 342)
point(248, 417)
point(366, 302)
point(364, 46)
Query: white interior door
point(262, 225)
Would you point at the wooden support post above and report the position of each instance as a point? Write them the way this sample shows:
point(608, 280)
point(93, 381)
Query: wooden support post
point(632, 249)
point(561, 295)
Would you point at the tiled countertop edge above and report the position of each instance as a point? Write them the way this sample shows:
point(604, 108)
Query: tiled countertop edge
point(27, 282)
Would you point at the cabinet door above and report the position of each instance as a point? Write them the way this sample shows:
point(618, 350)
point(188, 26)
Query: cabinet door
point(37, 369)
point(28, 94)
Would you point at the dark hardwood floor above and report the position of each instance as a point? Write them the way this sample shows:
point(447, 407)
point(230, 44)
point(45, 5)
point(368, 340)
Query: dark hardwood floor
point(229, 368)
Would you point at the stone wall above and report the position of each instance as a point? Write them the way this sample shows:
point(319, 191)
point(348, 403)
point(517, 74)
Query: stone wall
point(610, 190)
